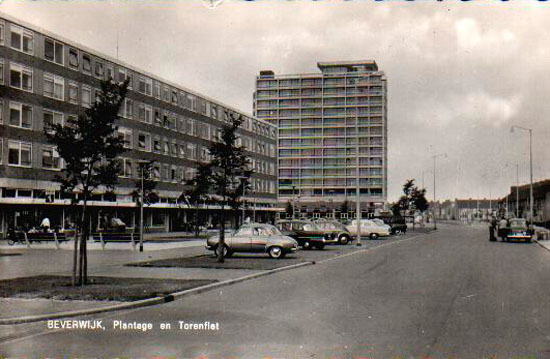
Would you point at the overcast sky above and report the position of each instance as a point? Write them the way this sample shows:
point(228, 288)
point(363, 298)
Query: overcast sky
point(459, 73)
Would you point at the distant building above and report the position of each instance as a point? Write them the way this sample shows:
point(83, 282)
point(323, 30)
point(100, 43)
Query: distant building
point(332, 133)
point(466, 209)
point(45, 78)
point(541, 200)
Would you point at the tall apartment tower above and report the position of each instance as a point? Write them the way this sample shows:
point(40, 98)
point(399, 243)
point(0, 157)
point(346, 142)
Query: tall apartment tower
point(330, 125)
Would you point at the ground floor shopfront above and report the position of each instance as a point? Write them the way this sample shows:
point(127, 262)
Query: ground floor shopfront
point(157, 217)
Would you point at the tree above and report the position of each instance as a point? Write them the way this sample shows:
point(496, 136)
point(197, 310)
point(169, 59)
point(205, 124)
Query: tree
point(196, 192)
point(89, 146)
point(150, 196)
point(344, 208)
point(237, 193)
point(412, 199)
point(228, 164)
point(289, 209)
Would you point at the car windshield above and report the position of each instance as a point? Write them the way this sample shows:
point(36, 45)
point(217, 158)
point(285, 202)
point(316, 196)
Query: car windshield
point(518, 223)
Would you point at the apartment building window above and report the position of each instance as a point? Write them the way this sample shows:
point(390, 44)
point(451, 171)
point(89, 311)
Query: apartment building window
point(1, 111)
point(144, 141)
point(181, 150)
point(21, 77)
point(166, 94)
point(145, 86)
point(174, 97)
point(86, 96)
point(2, 27)
point(73, 93)
point(54, 86)
point(158, 119)
point(128, 108)
point(157, 146)
point(174, 149)
point(125, 167)
point(21, 39)
point(53, 51)
point(20, 115)
point(99, 70)
point(156, 172)
point(157, 91)
point(125, 134)
point(110, 71)
point(50, 118)
point(145, 113)
point(173, 174)
point(86, 63)
point(73, 58)
point(50, 158)
point(19, 153)
point(124, 75)
point(166, 147)
point(1, 150)
point(1, 71)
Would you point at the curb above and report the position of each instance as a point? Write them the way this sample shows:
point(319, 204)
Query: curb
point(543, 246)
point(148, 302)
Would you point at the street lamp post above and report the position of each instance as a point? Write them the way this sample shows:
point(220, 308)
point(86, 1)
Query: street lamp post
point(435, 215)
point(530, 130)
point(243, 179)
point(357, 189)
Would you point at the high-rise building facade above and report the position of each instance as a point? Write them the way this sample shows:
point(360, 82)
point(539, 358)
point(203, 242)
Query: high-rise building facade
point(332, 138)
point(47, 79)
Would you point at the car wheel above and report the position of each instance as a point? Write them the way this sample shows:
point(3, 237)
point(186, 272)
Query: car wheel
point(225, 251)
point(276, 252)
point(373, 236)
point(11, 241)
point(397, 232)
point(320, 246)
point(306, 245)
point(344, 239)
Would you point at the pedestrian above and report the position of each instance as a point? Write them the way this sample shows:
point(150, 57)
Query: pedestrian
point(492, 227)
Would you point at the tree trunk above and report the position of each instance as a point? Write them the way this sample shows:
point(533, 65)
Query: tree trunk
point(82, 275)
point(75, 253)
point(221, 243)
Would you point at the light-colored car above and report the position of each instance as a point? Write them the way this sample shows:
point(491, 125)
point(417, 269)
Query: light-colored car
point(255, 238)
point(369, 228)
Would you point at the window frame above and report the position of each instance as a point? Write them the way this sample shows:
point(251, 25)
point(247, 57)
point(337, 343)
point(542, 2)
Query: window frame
point(53, 113)
point(56, 80)
point(84, 89)
point(71, 66)
point(53, 151)
point(148, 143)
point(127, 136)
point(55, 43)
point(20, 145)
point(20, 104)
point(23, 69)
point(23, 32)
point(73, 84)
point(87, 58)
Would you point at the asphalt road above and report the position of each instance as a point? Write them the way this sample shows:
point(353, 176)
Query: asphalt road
point(449, 294)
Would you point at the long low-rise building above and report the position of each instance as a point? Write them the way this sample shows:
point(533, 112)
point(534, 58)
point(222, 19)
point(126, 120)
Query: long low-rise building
point(45, 78)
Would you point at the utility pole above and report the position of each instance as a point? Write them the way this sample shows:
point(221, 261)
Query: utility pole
point(434, 211)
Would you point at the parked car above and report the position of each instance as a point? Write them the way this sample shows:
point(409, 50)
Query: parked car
point(306, 233)
point(336, 230)
point(255, 238)
point(397, 224)
point(369, 229)
point(515, 229)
